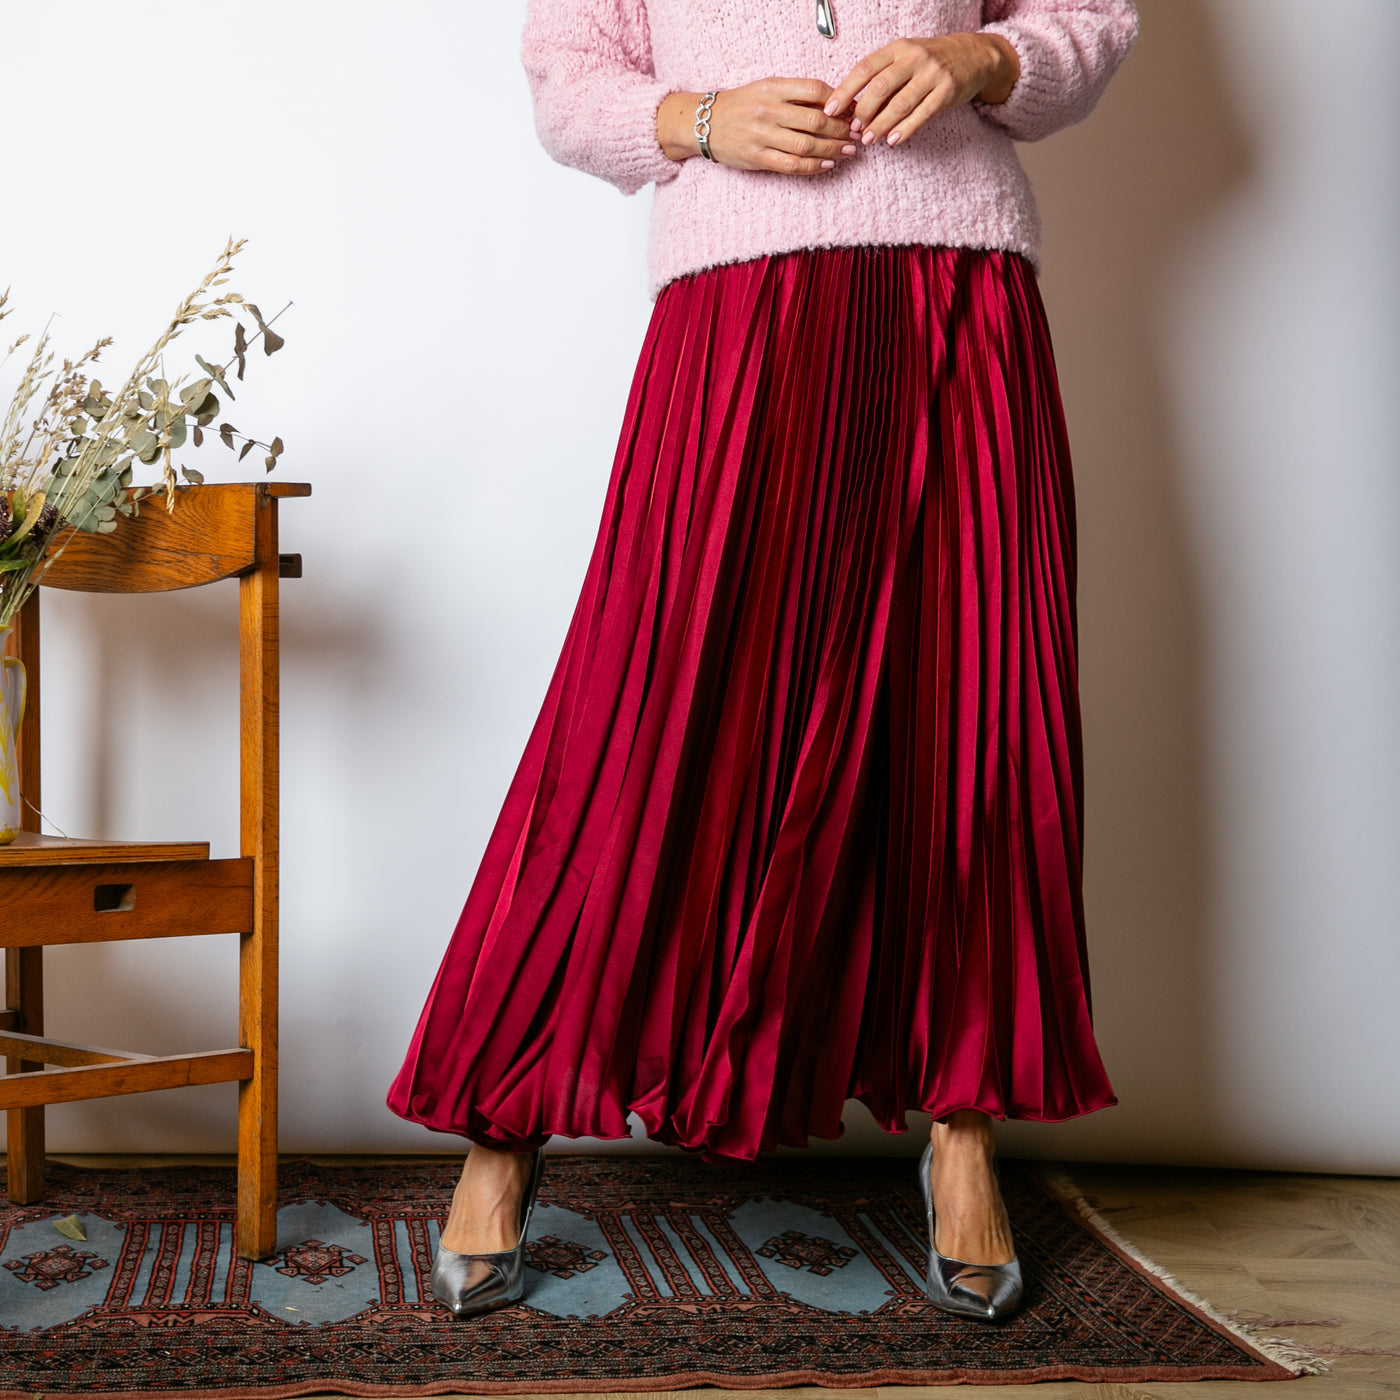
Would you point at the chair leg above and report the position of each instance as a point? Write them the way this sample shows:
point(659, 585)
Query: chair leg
point(24, 995)
point(257, 996)
point(257, 1110)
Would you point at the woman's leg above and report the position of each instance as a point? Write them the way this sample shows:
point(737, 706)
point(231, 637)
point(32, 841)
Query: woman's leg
point(485, 1215)
point(970, 1218)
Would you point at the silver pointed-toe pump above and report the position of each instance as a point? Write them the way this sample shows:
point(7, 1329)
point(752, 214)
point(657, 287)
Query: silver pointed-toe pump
point(478, 1283)
point(984, 1291)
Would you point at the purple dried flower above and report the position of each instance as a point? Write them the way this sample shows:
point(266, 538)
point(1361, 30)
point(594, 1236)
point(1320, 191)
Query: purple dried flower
point(44, 526)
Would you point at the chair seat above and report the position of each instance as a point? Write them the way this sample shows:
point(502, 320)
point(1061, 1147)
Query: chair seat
point(30, 848)
point(55, 890)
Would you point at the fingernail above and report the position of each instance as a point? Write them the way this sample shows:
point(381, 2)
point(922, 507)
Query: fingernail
point(828, 165)
point(848, 150)
point(832, 108)
point(867, 138)
point(894, 138)
point(855, 125)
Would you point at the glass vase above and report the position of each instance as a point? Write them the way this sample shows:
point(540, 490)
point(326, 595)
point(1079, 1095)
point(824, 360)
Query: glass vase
point(12, 688)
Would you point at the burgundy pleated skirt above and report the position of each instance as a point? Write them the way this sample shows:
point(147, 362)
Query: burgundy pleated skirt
point(800, 818)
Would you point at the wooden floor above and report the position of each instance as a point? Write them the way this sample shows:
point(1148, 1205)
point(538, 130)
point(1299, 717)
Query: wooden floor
point(1315, 1259)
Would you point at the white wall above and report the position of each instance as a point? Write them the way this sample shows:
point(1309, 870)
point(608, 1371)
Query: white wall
point(1220, 274)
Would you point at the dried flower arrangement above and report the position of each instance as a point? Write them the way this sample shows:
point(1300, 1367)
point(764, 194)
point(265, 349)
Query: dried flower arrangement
point(69, 447)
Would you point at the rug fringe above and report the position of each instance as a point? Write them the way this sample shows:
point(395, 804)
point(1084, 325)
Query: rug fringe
point(1287, 1353)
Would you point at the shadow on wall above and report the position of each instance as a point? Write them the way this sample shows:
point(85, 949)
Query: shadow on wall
point(173, 657)
point(1123, 198)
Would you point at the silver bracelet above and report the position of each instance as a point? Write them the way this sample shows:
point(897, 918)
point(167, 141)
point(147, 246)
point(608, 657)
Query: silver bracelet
point(702, 123)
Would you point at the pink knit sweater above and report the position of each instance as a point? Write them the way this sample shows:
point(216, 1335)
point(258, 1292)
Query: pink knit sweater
point(600, 68)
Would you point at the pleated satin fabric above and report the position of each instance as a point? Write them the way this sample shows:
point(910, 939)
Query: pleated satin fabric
point(800, 818)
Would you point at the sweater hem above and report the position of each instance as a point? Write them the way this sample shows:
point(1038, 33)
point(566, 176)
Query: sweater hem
point(1031, 252)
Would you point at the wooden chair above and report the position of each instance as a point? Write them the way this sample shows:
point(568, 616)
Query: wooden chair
point(55, 890)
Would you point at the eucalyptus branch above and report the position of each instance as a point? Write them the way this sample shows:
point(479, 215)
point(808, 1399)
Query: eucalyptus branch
point(67, 467)
point(263, 332)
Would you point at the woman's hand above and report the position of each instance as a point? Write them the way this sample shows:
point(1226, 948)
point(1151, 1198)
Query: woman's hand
point(908, 82)
point(774, 124)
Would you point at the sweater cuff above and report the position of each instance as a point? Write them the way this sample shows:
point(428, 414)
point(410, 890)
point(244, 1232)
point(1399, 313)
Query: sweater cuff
point(623, 136)
point(1036, 105)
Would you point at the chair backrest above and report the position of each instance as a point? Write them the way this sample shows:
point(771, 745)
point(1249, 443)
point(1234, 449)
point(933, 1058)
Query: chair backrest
point(215, 532)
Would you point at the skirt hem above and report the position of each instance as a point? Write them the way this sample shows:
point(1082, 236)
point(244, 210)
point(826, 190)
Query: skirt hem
point(507, 1143)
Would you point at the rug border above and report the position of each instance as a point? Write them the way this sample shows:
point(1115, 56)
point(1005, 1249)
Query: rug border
point(1286, 1355)
point(685, 1380)
point(1282, 1359)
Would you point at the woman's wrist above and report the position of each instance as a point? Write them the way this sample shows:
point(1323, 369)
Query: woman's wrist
point(675, 125)
point(1005, 71)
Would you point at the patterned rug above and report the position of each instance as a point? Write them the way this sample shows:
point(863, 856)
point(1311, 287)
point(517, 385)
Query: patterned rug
point(646, 1273)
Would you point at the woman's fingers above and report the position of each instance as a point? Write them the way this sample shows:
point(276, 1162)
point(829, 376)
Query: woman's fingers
point(785, 163)
point(903, 85)
point(813, 121)
point(900, 87)
point(803, 139)
point(843, 94)
point(801, 143)
point(902, 128)
point(930, 87)
point(811, 92)
point(778, 124)
point(876, 108)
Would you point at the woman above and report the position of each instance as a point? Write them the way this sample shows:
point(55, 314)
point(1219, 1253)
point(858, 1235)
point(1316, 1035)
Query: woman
point(800, 818)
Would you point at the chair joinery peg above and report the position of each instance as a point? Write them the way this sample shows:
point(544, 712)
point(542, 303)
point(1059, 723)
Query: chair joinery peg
point(54, 890)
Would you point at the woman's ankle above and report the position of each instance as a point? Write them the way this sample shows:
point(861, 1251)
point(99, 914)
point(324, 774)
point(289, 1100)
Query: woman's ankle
point(484, 1216)
point(961, 1130)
